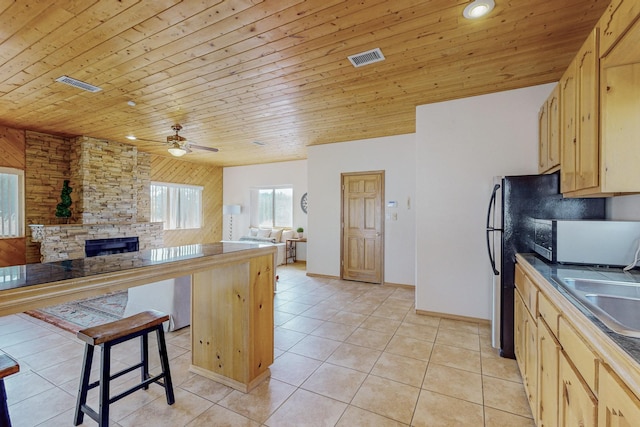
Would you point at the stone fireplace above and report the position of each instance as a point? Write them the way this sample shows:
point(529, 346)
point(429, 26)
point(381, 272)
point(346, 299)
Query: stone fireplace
point(114, 245)
point(110, 196)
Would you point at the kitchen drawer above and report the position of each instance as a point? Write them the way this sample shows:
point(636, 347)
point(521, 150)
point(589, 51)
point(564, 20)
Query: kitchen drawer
point(579, 353)
point(520, 280)
point(549, 313)
point(528, 291)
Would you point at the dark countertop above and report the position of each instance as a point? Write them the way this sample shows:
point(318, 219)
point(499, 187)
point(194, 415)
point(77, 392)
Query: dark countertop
point(41, 273)
point(552, 271)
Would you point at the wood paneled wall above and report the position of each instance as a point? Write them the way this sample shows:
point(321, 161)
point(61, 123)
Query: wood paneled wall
point(12, 251)
point(164, 169)
point(12, 144)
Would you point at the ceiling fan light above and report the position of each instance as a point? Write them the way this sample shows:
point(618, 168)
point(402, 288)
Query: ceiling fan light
point(176, 150)
point(478, 9)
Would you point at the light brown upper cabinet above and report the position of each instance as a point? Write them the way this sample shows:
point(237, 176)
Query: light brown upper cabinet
point(620, 123)
point(568, 101)
point(580, 148)
point(549, 133)
point(599, 100)
point(618, 17)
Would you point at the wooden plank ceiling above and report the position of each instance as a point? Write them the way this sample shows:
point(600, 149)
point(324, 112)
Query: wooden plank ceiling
point(237, 72)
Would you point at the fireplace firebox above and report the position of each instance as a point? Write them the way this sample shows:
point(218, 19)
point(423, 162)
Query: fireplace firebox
point(116, 245)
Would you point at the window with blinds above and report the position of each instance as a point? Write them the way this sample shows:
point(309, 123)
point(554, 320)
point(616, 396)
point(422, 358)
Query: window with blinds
point(11, 202)
point(177, 206)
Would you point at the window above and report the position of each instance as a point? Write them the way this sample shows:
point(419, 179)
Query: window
point(272, 207)
point(11, 202)
point(178, 206)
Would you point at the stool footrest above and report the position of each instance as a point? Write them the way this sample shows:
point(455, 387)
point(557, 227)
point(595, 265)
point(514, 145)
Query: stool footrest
point(116, 375)
point(90, 412)
point(138, 387)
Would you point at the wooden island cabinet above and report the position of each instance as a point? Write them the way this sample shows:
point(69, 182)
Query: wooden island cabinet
point(232, 338)
point(231, 299)
point(573, 373)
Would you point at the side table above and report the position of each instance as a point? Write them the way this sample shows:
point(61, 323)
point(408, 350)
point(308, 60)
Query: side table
point(291, 249)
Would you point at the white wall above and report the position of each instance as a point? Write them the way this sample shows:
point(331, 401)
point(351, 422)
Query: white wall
point(238, 180)
point(624, 208)
point(460, 146)
point(394, 155)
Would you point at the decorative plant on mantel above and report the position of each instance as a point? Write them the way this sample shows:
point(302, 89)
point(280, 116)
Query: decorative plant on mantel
point(62, 209)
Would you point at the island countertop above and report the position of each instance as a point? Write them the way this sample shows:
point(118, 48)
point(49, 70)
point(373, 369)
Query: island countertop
point(26, 287)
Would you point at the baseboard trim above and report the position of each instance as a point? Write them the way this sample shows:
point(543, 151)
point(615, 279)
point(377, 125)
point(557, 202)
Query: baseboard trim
point(322, 276)
point(399, 285)
point(454, 317)
point(390, 284)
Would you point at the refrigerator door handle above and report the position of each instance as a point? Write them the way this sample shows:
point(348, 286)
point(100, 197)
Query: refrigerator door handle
point(491, 229)
point(492, 204)
point(491, 255)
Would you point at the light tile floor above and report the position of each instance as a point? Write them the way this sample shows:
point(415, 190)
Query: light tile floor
point(347, 354)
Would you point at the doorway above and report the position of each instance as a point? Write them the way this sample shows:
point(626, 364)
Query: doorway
point(362, 218)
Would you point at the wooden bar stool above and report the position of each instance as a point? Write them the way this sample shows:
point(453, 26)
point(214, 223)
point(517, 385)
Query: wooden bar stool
point(108, 335)
point(8, 366)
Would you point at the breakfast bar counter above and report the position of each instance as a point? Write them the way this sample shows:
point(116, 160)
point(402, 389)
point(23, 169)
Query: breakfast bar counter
point(231, 298)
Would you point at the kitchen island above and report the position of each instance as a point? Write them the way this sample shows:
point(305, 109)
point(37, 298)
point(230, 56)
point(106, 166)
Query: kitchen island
point(231, 298)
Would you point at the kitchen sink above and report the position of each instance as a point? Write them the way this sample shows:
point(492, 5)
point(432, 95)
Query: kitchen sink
point(623, 313)
point(604, 287)
point(616, 304)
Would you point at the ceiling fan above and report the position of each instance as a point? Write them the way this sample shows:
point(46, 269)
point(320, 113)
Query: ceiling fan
point(179, 146)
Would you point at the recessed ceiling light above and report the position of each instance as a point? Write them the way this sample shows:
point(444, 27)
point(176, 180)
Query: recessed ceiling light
point(478, 9)
point(131, 137)
point(131, 103)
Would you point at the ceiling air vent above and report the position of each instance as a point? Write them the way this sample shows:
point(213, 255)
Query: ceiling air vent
point(78, 84)
point(365, 58)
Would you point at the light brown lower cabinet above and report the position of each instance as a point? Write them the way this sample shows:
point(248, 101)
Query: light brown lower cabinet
point(577, 406)
point(569, 383)
point(617, 405)
point(548, 359)
point(519, 334)
point(531, 364)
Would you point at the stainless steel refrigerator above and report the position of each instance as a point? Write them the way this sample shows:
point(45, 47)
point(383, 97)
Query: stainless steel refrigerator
point(514, 203)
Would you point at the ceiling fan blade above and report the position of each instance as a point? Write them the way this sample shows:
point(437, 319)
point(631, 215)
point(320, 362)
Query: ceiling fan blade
point(204, 148)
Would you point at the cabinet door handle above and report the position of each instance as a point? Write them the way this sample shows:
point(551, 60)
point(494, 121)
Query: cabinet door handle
point(566, 394)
